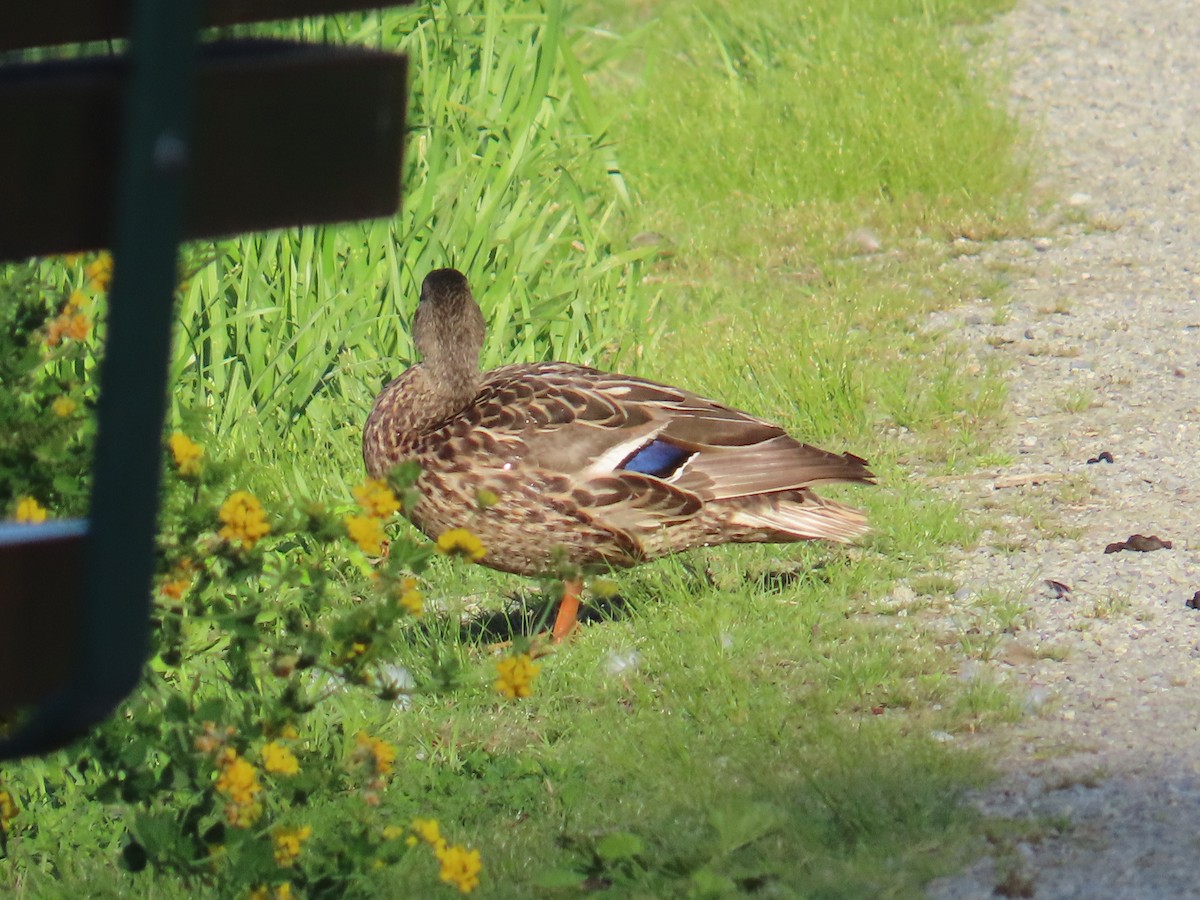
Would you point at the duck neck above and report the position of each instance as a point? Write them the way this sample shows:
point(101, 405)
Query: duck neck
point(454, 381)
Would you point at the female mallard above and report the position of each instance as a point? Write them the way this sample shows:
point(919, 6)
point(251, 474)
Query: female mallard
point(552, 463)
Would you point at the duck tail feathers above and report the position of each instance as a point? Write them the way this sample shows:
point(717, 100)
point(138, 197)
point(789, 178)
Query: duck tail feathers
point(803, 517)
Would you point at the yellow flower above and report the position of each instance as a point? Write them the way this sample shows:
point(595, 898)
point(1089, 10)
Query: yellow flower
point(78, 301)
point(99, 271)
point(367, 532)
point(283, 891)
point(410, 597)
point(460, 867)
point(376, 498)
point(287, 843)
point(8, 810)
point(63, 406)
point(187, 454)
point(55, 330)
point(29, 510)
point(244, 519)
point(289, 733)
point(379, 754)
point(391, 832)
point(460, 542)
point(279, 760)
point(238, 779)
point(180, 581)
point(239, 815)
point(78, 327)
point(239, 782)
point(429, 831)
point(174, 587)
point(516, 674)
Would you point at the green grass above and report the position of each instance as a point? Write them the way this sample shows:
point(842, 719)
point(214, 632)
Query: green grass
point(803, 120)
point(507, 177)
point(736, 721)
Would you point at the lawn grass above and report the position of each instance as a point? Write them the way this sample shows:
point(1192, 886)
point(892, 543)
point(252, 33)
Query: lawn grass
point(736, 721)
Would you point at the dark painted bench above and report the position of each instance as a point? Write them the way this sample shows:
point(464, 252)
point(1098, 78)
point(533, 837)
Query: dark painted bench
point(174, 138)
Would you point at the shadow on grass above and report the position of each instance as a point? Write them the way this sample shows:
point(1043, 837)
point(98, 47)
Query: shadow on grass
point(531, 612)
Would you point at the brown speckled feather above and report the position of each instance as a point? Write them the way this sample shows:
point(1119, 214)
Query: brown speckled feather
point(587, 467)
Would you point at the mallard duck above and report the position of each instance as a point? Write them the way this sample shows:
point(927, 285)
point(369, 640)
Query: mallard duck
point(551, 463)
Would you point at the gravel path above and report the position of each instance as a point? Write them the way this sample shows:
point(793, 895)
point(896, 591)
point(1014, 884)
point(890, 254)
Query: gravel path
point(1102, 776)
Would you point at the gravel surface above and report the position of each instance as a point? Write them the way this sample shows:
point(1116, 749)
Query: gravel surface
point(1102, 776)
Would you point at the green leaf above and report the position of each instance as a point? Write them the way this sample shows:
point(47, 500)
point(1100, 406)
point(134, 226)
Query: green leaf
point(210, 710)
point(707, 883)
point(739, 824)
point(620, 845)
point(158, 833)
point(559, 878)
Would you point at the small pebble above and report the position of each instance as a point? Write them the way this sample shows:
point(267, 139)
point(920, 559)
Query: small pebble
point(622, 662)
point(865, 241)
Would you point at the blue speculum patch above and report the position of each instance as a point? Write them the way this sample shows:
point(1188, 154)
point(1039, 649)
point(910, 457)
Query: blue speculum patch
point(658, 458)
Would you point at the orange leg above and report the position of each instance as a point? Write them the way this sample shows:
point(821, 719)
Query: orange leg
point(568, 611)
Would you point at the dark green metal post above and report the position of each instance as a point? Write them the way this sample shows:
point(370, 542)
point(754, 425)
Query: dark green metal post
point(123, 519)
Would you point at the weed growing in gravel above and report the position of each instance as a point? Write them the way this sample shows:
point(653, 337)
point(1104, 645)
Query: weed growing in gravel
point(1077, 401)
point(1109, 605)
point(934, 584)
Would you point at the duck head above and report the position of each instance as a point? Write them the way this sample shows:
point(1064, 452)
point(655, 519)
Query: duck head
point(448, 332)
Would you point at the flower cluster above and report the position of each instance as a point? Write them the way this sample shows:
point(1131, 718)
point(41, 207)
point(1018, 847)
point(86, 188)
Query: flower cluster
point(378, 503)
point(461, 542)
point(287, 842)
point(99, 272)
point(63, 406)
point(8, 810)
point(459, 865)
point(244, 520)
point(376, 498)
point(73, 322)
point(30, 511)
point(279, 760)
point(187, 454)
point(367, 532)
point(179, 581)
point(515, 675)
point(378, 755)
point(238, 782)
point(283, 891)
point(409, 596)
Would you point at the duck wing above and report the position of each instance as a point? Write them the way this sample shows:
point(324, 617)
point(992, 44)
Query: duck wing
point(638, 437)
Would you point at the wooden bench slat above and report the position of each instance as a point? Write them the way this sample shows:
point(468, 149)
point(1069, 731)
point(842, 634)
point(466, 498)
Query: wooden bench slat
point(41, 594)
point(51, 22)
point(285, 134)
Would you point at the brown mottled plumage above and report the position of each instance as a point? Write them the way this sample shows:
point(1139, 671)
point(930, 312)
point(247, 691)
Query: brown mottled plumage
point(553, 462)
